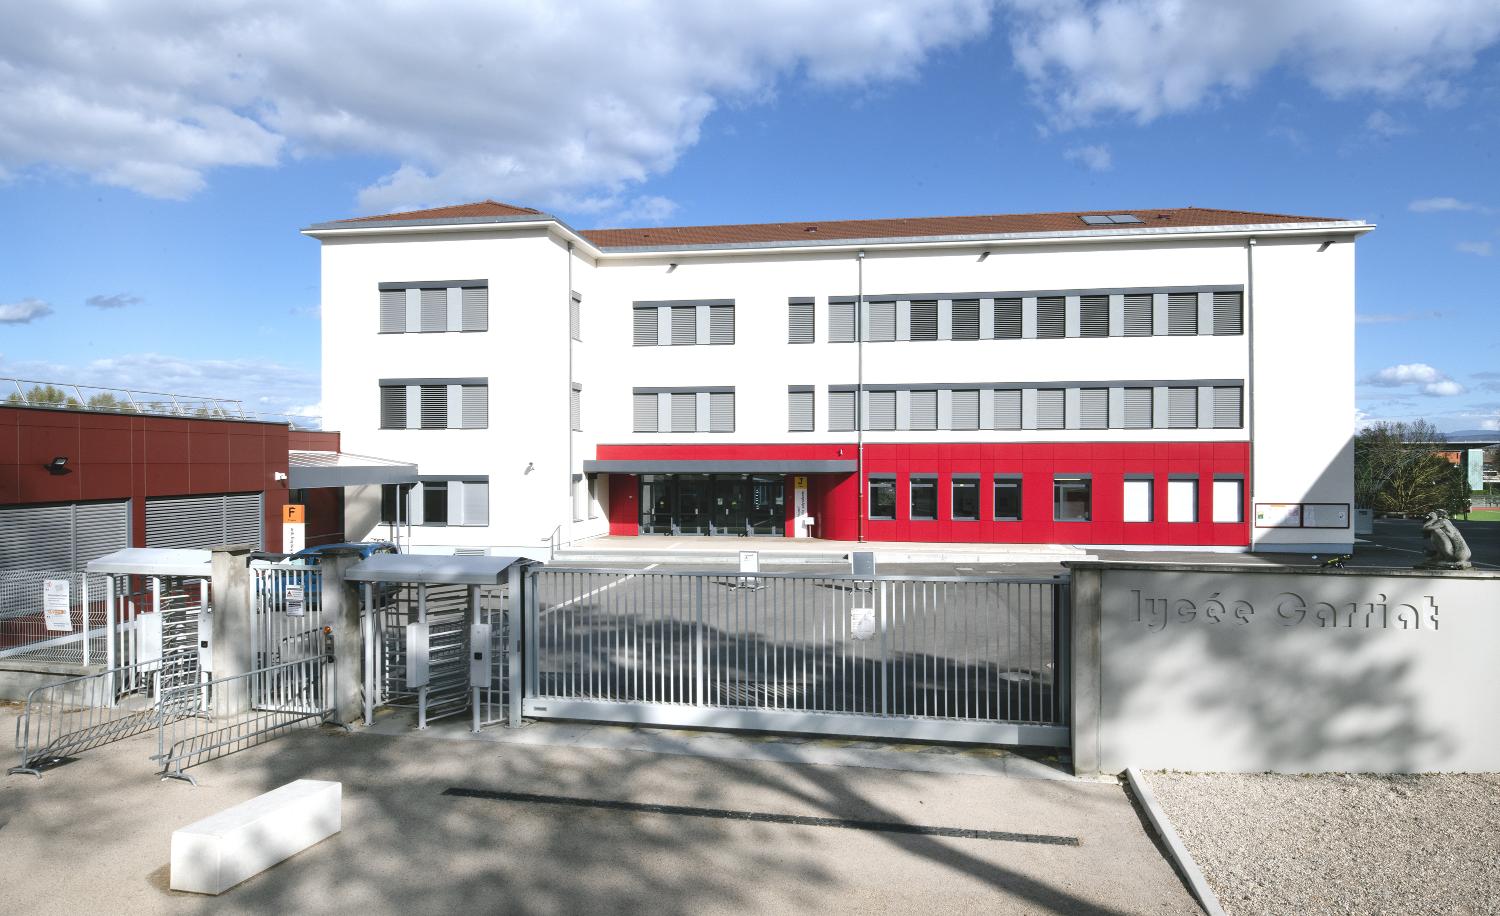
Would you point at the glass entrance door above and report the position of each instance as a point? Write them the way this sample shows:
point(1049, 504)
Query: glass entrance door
point(692, 504)
point(768, 506)
point(729, 505)
point(718, 504)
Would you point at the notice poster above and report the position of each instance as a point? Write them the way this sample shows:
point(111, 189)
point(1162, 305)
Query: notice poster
point(295, 602)
point(1278, 515)
point(57, 605)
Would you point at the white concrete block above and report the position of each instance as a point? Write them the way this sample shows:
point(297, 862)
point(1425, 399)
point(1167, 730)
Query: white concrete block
point(220, 851)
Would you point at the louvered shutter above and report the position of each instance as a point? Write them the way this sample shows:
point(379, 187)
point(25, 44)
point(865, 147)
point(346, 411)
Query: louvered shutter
point(392, 311)
point(575, 408)
point(475, 409)
point(1228, 412)
point(965, 409)
point(1008, 408)
point(476, 502)
point(721, 411)
point(924, 320)
point(721, 324)
point(476, 306)
point(1051, 407)
point(575, 317)
point(1093, 408)
point(684, 412)
point(392, 406)
point(644, 413)
point(244, 519)
point(799, 321)
point(1093, 316)
point(205, 521)
point(882, 322)
point(1052, 317)
point(1182, 314)
point(434, 406)
point(684, 325)
point(1138, 408)
point(799, 409)
point(434, 310)
point(37, 537)
point(882, 407)
point(1182, 408)
point(1229, 313)
point(99, 529)
point(1007, 319)
point(841, 411)
point(966, 319)
point(645, 327)
point(1138, 315)
point(840, 322)
point(924, 409)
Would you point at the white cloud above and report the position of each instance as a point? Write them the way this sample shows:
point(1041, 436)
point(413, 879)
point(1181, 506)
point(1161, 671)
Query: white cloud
point(1440, 205)
point(115, 301)
point(24, 312)
point(1148, 58)
point(1484, 249)
point(553, 104)
point(1383, 126)
point(1421, 376)
point(1395, 317)
point(1095, 158)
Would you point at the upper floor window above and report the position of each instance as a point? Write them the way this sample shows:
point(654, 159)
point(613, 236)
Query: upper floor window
point(437, 501)
point(683, 323)
point(434, 403)
point(683, 410)
point(575, 316)
point(799, 320)
point(434, 306)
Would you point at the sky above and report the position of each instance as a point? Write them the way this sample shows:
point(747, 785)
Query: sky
point(158, 159)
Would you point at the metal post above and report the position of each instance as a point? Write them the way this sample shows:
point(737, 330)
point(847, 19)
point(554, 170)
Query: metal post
point(513, 629)
point(698, 643)
point(84, 581)
point(421, 691)
point(109, 636)
point(529, 633)
point(367, 636)
point(474, 619)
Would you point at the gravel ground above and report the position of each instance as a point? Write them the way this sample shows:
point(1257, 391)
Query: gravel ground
point(1345, 844)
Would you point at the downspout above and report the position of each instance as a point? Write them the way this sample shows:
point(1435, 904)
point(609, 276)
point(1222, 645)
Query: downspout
point(859, 397)
point(568, 330)
point(1250, 384)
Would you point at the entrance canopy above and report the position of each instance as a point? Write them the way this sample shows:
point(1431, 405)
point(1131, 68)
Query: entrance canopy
point(430, 569)
point(308, 470)
point(154, 561)
point(720, 466)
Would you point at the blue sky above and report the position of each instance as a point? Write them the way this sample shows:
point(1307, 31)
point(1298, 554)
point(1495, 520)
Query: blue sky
point(161, 163)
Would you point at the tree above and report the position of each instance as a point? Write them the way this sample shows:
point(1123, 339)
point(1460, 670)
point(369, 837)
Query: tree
point(44, 396)
point(1398, 469)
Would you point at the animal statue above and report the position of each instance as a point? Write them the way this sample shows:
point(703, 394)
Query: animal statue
point(1446, 548)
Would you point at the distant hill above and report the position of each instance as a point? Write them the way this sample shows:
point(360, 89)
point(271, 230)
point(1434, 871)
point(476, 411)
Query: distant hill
point(1473, 435)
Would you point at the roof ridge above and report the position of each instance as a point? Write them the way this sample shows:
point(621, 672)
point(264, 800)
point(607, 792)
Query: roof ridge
point(409, 214)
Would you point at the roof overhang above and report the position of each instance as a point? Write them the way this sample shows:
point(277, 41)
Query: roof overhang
point(723, 466)
point(430, 569)
point(308, 470)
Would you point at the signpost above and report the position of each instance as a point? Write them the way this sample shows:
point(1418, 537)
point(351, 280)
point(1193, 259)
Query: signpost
point(799, 506)
point(293, 528)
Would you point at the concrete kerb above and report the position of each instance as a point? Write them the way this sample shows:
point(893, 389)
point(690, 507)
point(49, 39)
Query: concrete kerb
point(1181, 859)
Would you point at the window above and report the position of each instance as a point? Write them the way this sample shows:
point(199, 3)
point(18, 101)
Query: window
point(1182, 408)
point(1051, 408)
point(645, 412)
point(1229, 499)
point(1182, 314)
point(1052, 316)
point(678, 411)
point(923, 497)
point(799, 321)
point(1229, 313)
point(964, 413)
point(684, 325)
point(689, 323)
point(965, 498)
point(1138, 499)
point(1072, 499)
point(1139, 311)
point(684, 415)
point(966, 319)
point(595, 499)
point(435, 501)
point(720, 325)
point(1093, 408)
point(575, 407)
point(1008, 408)
point(1228, 411)
point(924, 409)
point(580, 495)
point(645, 327)
point(721, 411)
point(1007, 499)
point(840, 411)
point(881, 406)
point(1007, 319)
point(924, 320)
point(434, 404)
point(1093, 316)
point(841, 321)
point(882, 497)
point(1182, 499)
point(575, 316)
point(799, 409)
point(1107, 219)
point(882, 326)
point(449, 305)
point(1138, 408)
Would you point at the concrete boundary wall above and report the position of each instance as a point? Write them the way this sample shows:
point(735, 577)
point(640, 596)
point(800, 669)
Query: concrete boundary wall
point(1256, 668)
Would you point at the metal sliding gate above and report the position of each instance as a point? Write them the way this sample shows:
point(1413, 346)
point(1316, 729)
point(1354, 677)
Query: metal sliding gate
point(972, 659)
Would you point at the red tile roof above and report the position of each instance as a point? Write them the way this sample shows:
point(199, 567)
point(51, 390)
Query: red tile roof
point(460, 211)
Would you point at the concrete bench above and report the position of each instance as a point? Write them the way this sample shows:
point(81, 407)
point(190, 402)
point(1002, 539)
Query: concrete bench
point(220, 851)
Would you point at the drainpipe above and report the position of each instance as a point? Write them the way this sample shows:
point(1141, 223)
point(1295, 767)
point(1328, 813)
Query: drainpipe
point(1249, 494)
point(568, 293)
point(859, 397)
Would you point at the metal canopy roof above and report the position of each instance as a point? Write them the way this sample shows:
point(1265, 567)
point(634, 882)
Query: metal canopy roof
point(429, 569)
point(154, 561)
point(719, 466)
point(309, 470)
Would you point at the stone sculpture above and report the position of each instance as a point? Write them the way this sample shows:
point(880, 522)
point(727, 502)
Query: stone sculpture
point(1446, 548)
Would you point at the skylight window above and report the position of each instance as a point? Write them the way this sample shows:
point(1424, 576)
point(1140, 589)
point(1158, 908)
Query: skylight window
point(1109, 219)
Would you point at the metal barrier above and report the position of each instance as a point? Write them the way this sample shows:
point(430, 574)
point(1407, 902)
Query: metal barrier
point(223, 715)
point(942, 658)
point(24, 631)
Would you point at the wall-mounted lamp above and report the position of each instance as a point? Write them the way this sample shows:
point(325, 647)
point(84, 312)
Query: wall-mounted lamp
point(58, 465)
point(671, 267)
point(530, 466)
point(1324, 247)
point(983, 256)
point(279, 475)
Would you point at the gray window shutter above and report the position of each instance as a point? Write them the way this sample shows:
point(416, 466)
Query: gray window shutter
point(476, 407)
point(882, 408)
point(1093, 408)
point(1051, 412)
point(924, 320)
point(476, 502)
point(645, 410)
point(721, 411)
point(476, 306)
point(36, 537)
point(575, 316)
point(684, 411)
point(1008, 319)
point(1228, 410)
point(392, 406)
point(684, 325)
point(1008, 408)
point(1182, 408)
point(841, 411)
point(1093, 316)
point(185, 521)
point(392, 311)
point(966, 319)
point(799, 409)
point(799, 321)
point(575, 407)
point(965, 406)
point(1229, 313)
point(645, 327)
point(434, 310)
point(1139, 315)
point(1182, 314)
point(840, 322)
point(1138, 408)
point(434, 406)
point(721, 324)
point(882, 321)
point(244, 519)
point(1052, 316)
point(99, 529)
point(924, 409)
